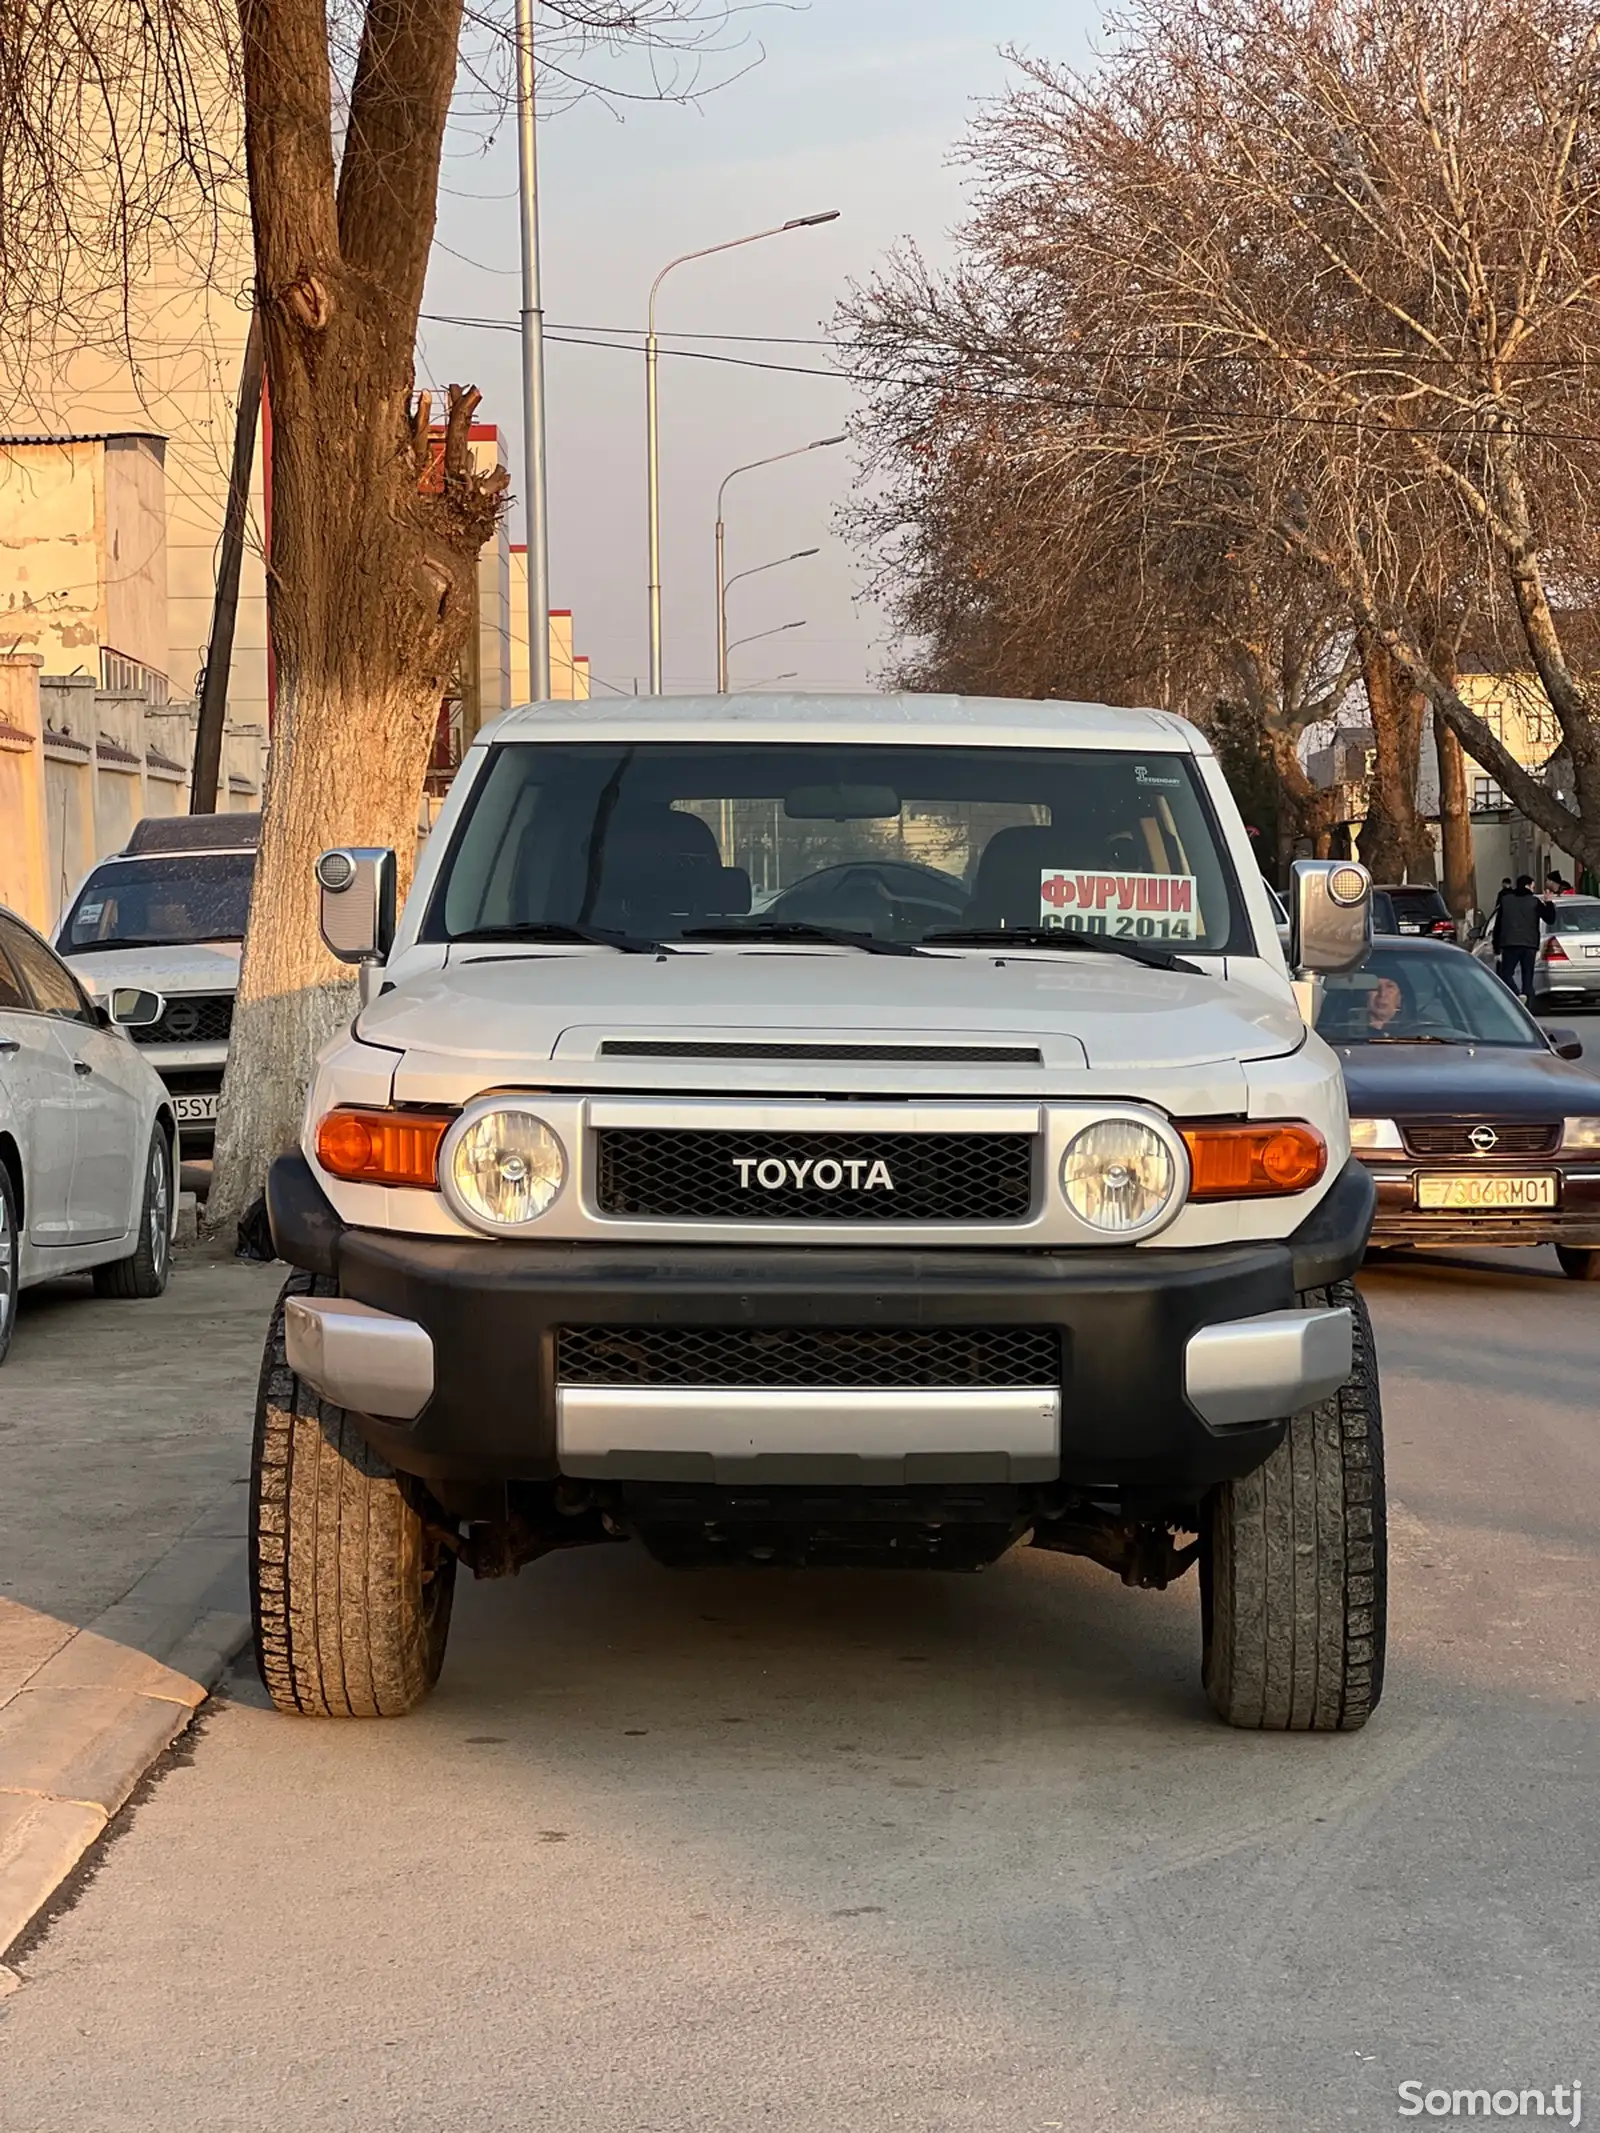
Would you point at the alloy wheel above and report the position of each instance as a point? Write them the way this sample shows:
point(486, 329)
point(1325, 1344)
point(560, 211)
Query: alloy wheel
point(159, 1201)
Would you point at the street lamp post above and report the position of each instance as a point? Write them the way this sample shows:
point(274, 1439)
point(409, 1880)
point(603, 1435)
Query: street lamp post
point(819, 444)
point(533, 448)
point(757, 635)
point(652, 424)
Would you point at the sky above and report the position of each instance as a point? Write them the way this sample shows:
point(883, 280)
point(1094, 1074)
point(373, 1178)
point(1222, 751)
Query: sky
point(851, 104)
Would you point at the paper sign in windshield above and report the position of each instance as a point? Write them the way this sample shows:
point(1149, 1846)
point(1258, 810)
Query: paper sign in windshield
point(1132, 907)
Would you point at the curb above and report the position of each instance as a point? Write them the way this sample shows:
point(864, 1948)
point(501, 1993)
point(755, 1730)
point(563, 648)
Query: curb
point(84, 1713)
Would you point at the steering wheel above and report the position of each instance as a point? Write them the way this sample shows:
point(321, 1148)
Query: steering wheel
point(890, 899)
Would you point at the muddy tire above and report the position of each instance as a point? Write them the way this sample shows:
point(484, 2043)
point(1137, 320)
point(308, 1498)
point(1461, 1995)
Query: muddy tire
point(350, 1581)
point(1294, 1565)
point(144, 1272)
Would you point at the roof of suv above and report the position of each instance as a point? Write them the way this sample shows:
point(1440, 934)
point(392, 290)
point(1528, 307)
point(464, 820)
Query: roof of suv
point(929, 721)
point(193, 833)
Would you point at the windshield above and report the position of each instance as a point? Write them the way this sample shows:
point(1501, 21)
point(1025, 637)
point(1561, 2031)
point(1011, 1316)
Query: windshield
point(1418, 903)
point(1447, 998)
point(128, 903)
point(1573, 915)
point(898, 843)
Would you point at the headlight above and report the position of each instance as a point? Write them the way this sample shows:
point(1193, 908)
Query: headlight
point(502, 1168)
point(1123, 1176)
point(1376, 1133)
point(1582, 1134)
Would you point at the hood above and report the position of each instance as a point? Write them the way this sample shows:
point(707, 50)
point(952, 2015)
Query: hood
point(1476, 1081)
point(200, 966)
point(504, 1012)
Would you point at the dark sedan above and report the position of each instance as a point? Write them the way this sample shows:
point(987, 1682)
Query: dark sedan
point(1474, 1124)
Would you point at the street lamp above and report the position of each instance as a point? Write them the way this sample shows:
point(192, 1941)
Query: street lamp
point(759, 634)
point(652, 427)
point(533, 448)
point(819, 444)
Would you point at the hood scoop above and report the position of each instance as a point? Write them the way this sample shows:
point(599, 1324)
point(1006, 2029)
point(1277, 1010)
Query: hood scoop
point(1023, 1055)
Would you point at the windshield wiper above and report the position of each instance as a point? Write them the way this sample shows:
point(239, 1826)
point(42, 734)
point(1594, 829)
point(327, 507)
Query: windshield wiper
point(198, 940)
point(578, 936)
point(797, 929)
point(1060, 937)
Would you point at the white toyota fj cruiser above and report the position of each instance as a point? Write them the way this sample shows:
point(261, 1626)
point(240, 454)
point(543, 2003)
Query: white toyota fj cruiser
point(847, 1130)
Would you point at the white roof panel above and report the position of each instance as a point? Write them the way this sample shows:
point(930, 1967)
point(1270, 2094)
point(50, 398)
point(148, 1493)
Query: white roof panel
point(928, 721)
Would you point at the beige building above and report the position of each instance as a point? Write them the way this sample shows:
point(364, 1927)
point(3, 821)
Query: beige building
point(569, 670)
point(83, 557)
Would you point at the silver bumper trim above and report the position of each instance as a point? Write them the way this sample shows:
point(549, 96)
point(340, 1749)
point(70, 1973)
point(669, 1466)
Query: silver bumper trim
point(1263, 1369)
point(359, 1358)
point(830, 1433)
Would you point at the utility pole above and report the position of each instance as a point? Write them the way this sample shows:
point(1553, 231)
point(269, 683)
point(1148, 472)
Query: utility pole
point(820, 444)
point(533, 441)
point(652, 351)
point(213, 717)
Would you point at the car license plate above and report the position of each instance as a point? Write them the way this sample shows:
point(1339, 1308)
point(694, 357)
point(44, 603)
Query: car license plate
point(192, 1109)
point(1592, 951)
point(1489, 1194)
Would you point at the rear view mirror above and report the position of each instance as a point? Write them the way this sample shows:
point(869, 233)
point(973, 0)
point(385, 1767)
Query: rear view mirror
point(1565, 1043)
point(357, 909)
point(841, 803)
point(1330, 917)
point(133, 1008)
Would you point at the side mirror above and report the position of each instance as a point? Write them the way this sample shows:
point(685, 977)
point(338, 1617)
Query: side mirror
point(132, 1008)
point(357, 912)
point(1565, 1043)
point(1330, 917)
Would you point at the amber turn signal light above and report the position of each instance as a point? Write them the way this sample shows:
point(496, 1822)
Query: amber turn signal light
point(1245, 1162)
point(383, 1147)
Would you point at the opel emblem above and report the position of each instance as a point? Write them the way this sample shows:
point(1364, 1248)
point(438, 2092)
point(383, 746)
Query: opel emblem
point(1483, 1138)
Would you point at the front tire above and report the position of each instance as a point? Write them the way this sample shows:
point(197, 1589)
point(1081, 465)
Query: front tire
point(350, 1585)
point(1294, 1565)
point(1579, 1262)
point(144, 1272)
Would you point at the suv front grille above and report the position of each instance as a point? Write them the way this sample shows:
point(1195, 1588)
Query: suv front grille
point(664, 1175)
point(191, 1018)
point(1453, 1136)
point(775, 1357)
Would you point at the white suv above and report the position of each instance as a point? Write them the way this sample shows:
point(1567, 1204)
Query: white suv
point(845, 1130)
point(167, 915)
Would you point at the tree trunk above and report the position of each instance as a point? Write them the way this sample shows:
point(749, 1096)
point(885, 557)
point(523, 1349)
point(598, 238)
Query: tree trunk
point(377, 521)
point(1395, 844)
point(1455, 821)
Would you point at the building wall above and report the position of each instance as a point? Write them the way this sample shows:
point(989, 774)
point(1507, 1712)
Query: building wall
point(170, 365)
point(569, 670)
point(24, 831)
point(83, 551)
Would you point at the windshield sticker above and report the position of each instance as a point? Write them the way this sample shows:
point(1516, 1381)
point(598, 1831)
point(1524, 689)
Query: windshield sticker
point(1142, 776)
point(88, 914)
point(1135, 907)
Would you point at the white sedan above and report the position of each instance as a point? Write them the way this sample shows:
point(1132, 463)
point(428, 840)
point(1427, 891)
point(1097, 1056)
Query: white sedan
point(86, 1135)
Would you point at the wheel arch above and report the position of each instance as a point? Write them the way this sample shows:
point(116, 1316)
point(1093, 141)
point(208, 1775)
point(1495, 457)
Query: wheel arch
point(11, 1157)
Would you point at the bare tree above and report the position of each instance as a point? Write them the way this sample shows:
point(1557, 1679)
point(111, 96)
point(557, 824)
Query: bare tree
point(378, 515)
point(1322, 276)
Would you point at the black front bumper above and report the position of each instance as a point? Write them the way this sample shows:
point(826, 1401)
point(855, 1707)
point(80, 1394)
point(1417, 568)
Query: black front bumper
point(1123, 1319)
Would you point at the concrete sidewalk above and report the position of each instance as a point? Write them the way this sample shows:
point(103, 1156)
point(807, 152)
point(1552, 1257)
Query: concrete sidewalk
point(125, 1448)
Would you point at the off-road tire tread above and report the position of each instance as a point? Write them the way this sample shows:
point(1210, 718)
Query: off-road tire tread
point(345, 1624)
point(138, 1275)
point(1294, 1564)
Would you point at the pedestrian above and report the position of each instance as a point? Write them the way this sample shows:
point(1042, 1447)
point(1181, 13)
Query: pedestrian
point(1557, 884)
point(1518, 916)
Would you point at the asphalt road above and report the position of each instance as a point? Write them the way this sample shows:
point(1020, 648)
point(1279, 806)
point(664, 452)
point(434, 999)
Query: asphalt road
point(834, 1854)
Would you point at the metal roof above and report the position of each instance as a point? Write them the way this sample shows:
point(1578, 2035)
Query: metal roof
point(239, 832)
